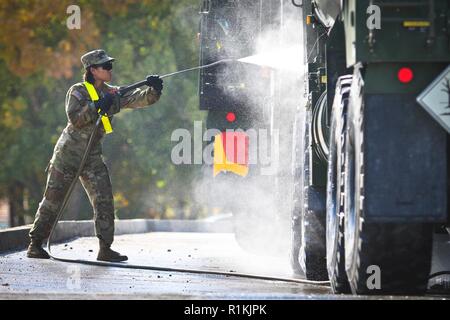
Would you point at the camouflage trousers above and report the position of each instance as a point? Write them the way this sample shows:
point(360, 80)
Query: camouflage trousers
point(96, 182)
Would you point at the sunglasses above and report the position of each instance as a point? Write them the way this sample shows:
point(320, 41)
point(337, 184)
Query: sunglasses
point(106, 66)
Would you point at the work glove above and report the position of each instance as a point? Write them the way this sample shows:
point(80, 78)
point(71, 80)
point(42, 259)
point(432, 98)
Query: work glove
point(155, 82)
point(105, 103)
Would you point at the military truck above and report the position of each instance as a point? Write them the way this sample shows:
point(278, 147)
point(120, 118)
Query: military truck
point(372, 183)
point(369, 143)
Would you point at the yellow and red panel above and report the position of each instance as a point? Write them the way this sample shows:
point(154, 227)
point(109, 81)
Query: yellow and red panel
point(231, 153)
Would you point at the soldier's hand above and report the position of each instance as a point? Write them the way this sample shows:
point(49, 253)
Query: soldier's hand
point(155, 82)
point(105, 103)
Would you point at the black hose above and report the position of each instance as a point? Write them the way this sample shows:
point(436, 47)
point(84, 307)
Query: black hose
point(143, 267)
point(74, 182)
point(193, 271)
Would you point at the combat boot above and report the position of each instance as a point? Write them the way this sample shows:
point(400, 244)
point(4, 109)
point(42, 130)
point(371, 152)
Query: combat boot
point(36, 251)
point(106, 254)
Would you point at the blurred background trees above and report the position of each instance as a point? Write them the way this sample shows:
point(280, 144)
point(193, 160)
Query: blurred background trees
point(40, 60)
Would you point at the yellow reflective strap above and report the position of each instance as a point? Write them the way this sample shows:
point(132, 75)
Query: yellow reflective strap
point(94, 97)
point(107, 125)
point(91, 90)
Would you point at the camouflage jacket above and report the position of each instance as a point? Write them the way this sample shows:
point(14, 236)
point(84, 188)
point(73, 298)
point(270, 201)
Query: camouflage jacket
point(82, 115)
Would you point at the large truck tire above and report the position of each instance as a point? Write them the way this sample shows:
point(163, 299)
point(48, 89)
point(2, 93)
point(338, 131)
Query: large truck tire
point(256, 227)
point(246, 237)
point(312, 256)
point(335, 189)
point(297, 202)
point(399, 252)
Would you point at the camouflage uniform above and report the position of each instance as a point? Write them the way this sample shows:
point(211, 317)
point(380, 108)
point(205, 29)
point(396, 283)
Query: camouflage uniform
point(67, 155)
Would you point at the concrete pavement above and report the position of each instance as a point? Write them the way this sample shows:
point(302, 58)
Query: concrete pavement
point(23, 278)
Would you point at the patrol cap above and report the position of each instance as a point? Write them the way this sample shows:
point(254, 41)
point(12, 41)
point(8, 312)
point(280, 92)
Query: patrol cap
point(95, 57)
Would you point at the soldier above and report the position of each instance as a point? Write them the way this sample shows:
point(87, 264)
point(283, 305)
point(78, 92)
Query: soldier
point(82, 112)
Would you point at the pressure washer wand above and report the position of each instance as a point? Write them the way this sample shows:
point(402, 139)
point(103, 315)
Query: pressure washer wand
point(143, 82)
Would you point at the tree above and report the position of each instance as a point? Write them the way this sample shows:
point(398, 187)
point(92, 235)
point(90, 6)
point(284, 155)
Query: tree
point(40, 59)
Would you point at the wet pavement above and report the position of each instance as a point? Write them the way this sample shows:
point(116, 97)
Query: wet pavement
point(23, 278)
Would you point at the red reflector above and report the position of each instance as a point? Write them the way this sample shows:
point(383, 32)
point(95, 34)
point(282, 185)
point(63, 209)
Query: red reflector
point(405, 75)
point(231, 117)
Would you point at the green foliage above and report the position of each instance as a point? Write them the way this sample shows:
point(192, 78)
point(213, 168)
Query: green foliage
point(145, 37)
